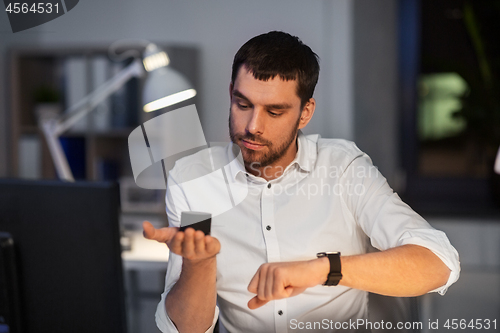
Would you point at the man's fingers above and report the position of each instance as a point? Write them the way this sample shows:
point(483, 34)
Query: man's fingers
point(254, 283)
point(269, 290)
point(175, 245)
point(192, 245)
point(261, 288)
point(293, 291)
point(273, 281)
point(162, 235)
point(199, 242)
point(188, 244)
point(149, 230)
point(212, 245)
point(255, 303)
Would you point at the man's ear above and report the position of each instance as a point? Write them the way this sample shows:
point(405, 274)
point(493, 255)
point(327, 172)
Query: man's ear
point(307, 113)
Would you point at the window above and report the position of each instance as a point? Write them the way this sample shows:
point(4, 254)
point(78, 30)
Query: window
point(450, 95)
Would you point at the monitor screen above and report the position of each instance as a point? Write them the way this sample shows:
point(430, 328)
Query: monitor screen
point(67, 255)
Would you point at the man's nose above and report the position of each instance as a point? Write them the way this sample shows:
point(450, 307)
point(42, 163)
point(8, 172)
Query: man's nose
point(256, 122)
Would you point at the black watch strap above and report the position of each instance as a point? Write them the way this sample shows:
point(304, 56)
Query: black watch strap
point(335, 274)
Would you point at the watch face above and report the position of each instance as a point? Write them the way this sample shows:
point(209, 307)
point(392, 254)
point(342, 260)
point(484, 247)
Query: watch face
point(324, 254)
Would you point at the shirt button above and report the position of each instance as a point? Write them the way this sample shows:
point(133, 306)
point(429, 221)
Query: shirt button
point(280, 312)
point(268, 227)
point(269, 185)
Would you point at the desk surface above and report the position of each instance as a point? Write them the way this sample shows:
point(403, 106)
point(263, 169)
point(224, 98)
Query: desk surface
point(145, 254)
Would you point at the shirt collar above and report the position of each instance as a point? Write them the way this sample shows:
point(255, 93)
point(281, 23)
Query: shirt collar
point(305, 158)
point(307, 152)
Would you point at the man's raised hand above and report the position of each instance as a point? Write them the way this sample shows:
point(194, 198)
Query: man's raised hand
point(190, 244)
point(285, 279)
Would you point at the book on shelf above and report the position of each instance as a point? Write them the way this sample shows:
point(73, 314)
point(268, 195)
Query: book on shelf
point(83, 75)
point(101, 116)
point(30, 165)
point(75, 87)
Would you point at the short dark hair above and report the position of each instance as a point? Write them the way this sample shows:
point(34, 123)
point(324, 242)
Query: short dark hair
point(279, 53)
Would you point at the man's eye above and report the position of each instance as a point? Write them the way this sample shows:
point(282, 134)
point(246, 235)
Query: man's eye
point(243, 106)
point(273, 114)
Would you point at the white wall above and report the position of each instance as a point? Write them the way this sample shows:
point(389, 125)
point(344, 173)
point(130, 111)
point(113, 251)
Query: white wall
point(376, 109)
point(218, 28)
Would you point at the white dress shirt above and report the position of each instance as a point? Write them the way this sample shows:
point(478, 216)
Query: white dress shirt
point(330, 198)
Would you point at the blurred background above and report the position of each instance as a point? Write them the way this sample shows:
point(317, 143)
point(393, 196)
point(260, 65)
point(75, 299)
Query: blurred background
point(415, 83)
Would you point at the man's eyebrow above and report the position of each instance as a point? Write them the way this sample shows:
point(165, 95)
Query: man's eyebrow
point(240, 95)
point(283, 106)
point(280, 106)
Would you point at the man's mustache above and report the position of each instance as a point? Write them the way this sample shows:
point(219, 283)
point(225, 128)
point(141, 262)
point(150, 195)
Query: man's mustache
point(253, 138)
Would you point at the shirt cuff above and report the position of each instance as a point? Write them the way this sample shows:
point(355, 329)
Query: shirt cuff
point(166, 325)
point(438, 243)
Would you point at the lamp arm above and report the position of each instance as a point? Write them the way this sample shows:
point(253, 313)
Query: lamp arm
point(80, 109)
point(56, 151)
point(52, 127)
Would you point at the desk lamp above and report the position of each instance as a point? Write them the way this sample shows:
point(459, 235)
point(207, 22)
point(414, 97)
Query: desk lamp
point(163, 87)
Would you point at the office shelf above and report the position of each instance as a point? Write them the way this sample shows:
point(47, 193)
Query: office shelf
point(102, 146)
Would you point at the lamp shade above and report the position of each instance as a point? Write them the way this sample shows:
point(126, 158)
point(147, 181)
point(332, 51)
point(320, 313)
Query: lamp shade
point(164, 85)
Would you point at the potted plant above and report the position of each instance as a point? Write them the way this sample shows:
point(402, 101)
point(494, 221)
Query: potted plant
point(46, 102)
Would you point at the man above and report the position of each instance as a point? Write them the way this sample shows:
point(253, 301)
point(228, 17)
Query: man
point(264, 266)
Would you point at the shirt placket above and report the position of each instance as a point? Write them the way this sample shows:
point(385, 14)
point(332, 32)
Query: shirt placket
point(272, 251)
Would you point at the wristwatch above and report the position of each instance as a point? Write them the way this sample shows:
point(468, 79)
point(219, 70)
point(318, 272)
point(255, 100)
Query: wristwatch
point(335, 274)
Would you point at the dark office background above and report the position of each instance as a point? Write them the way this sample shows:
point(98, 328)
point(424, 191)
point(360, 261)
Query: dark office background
point(415, 83)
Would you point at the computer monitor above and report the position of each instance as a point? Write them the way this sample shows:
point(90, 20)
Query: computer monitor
point(67, 255)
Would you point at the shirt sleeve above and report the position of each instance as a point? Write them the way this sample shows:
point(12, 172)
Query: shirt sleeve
point(176, 203)
point(388, 221)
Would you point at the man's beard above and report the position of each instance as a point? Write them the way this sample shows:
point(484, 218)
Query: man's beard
point(251, 157)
